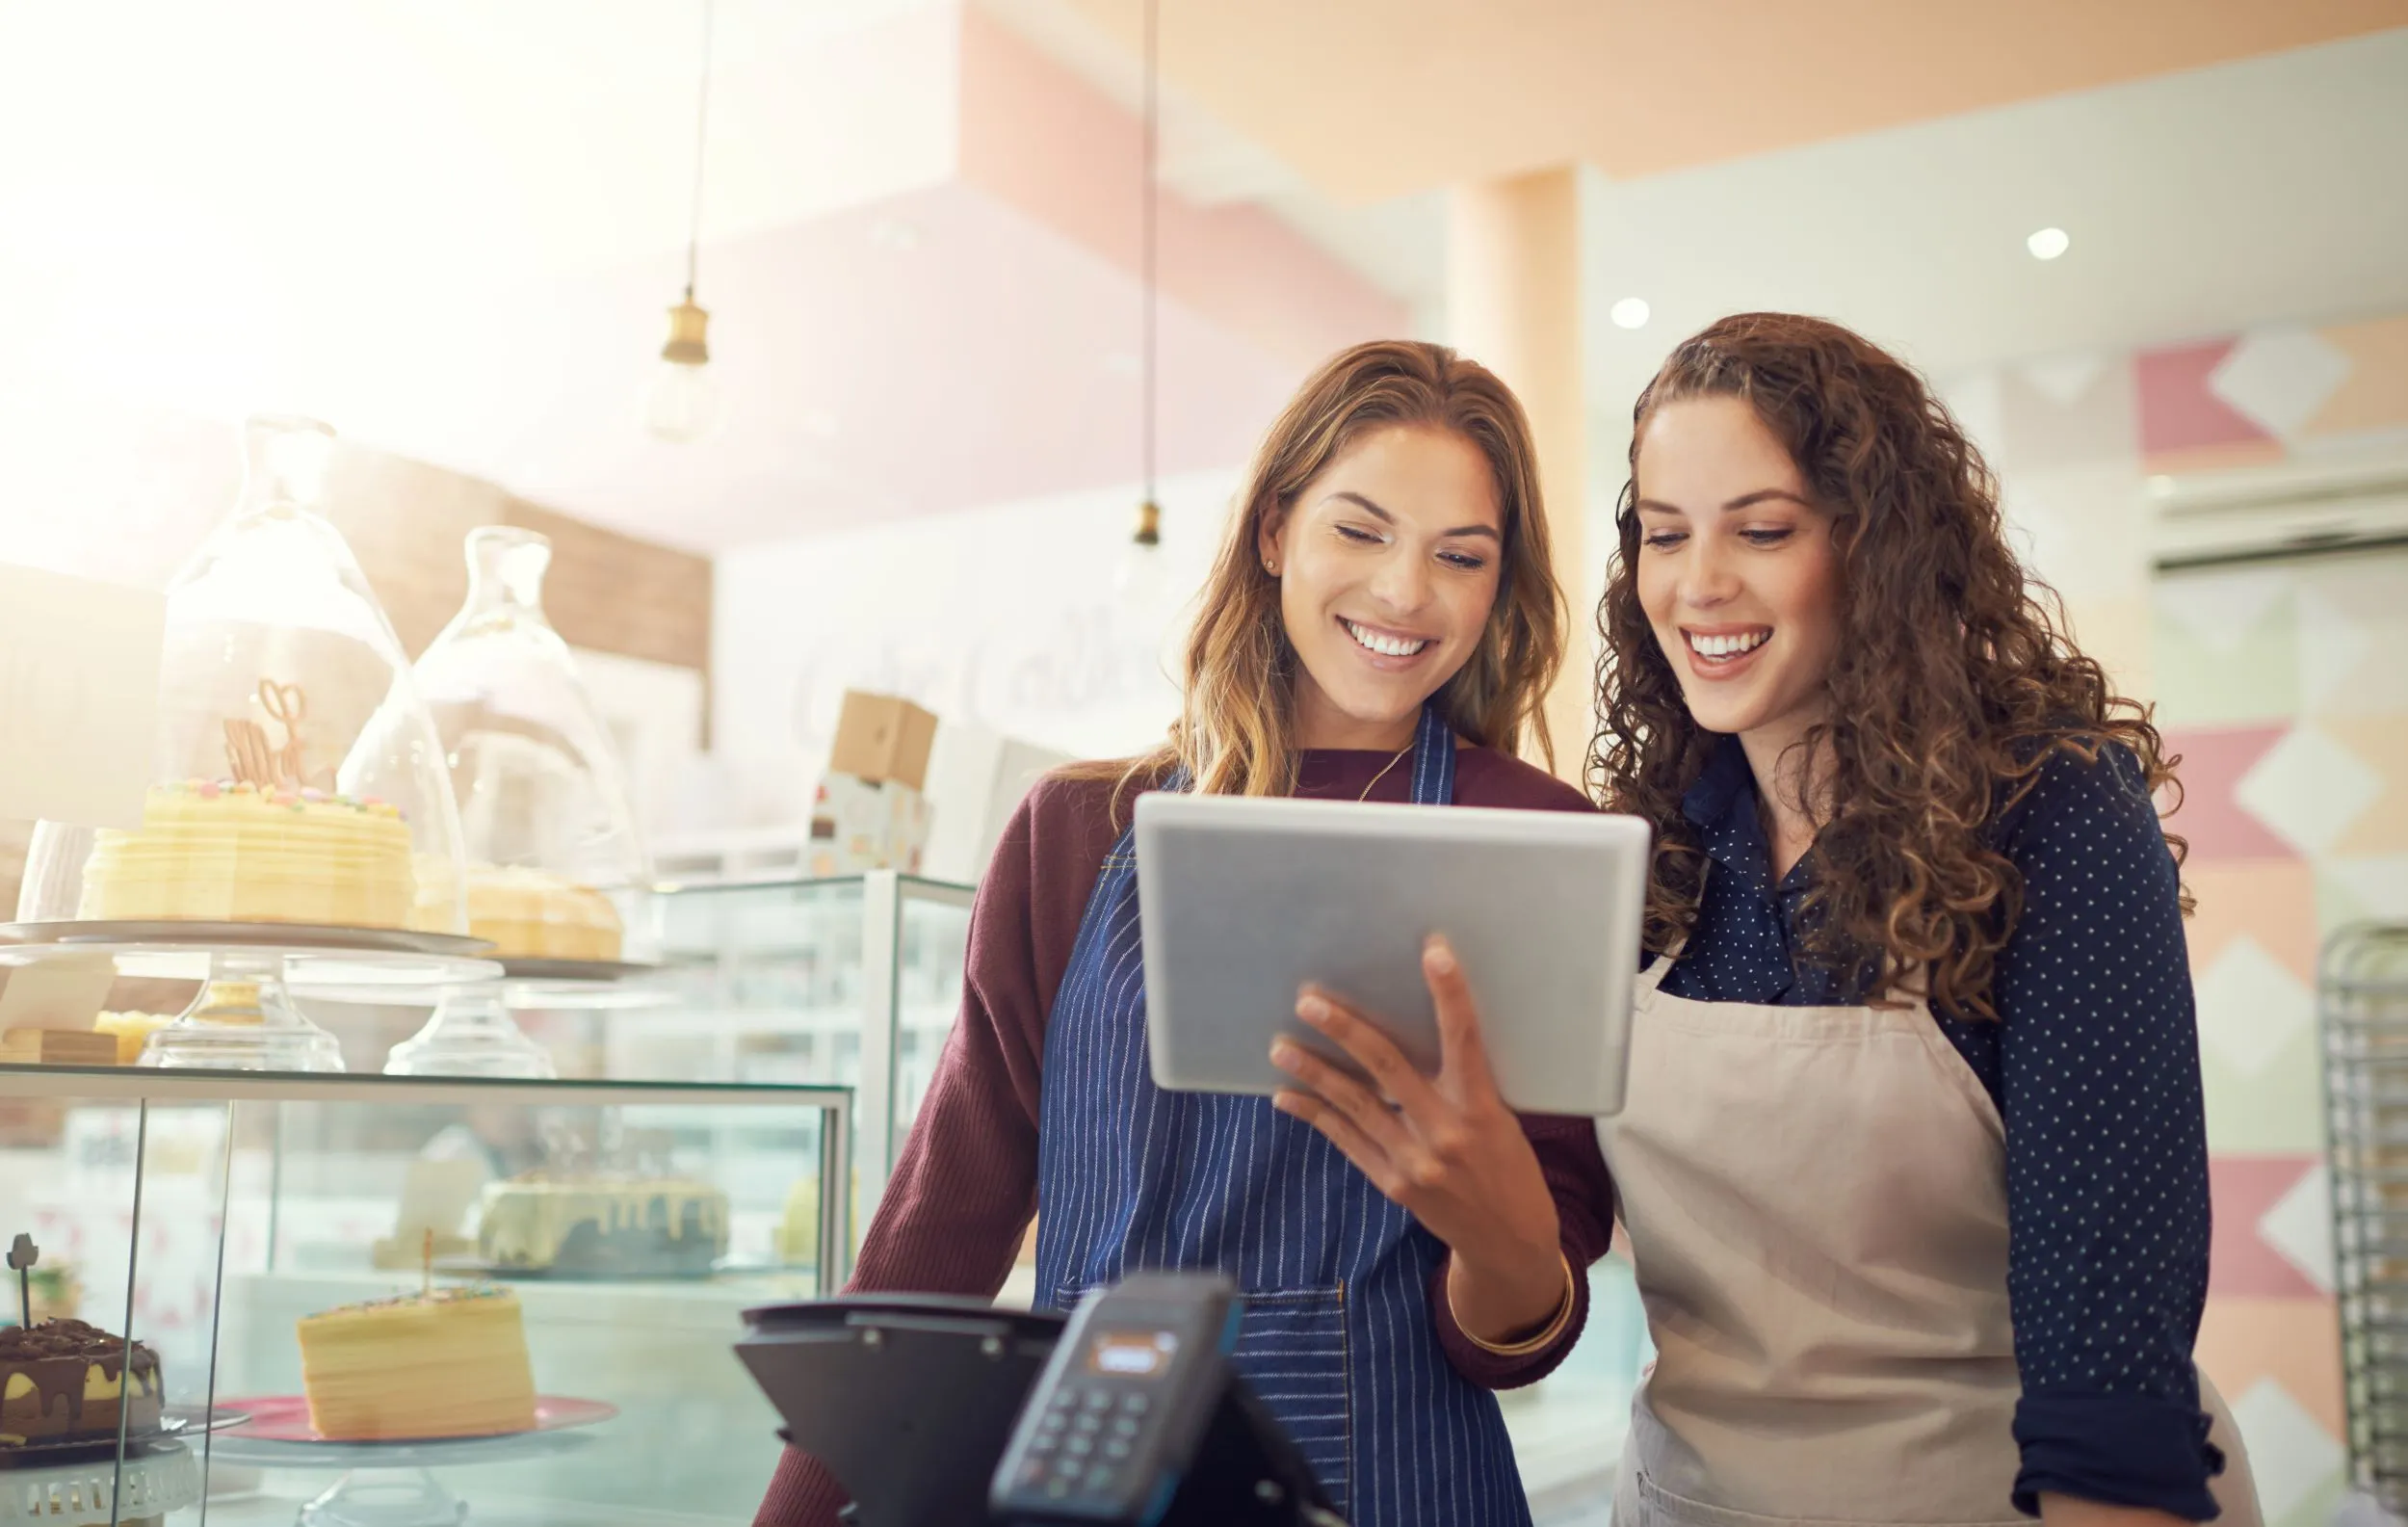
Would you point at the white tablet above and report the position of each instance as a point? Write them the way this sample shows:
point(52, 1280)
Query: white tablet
point(1244, 900)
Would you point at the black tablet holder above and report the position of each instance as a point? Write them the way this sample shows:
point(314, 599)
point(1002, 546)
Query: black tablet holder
point(910, 1400)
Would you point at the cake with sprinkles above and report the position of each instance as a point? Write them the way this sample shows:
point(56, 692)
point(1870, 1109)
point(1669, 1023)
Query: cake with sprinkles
point(62, 1380)
point(222, 850)
point(450, 1362)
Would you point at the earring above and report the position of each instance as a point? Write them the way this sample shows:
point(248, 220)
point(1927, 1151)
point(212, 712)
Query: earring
point(1270, 567)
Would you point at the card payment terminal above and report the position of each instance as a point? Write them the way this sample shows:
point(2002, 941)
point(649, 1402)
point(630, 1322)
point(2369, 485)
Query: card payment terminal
point(1116, 1418)
point(946, 1412)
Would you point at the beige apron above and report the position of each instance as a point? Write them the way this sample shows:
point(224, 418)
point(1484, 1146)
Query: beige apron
point(1815, 1200)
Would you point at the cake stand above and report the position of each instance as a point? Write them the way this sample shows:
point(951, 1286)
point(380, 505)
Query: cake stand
point(471, 1032)
point(83, 1485)
point(391, 1484)
point(160, 1478)
point(243, 1018)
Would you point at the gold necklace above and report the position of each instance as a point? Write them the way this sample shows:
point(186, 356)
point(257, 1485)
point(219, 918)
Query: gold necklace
point(1383, 772)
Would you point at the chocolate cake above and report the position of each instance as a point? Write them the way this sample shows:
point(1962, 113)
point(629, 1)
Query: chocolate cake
point(62, 1380)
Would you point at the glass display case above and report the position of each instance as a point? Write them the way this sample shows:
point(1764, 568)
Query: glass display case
point(395, 1301)
point(853, 982)
point(299, 814)
point(555, 865)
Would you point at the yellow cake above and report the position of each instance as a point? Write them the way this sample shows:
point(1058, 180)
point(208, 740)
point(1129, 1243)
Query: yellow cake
point(604, 1227)
point(450, 1363)
point(131, 1030)
point(232, 853)
point(532, 915)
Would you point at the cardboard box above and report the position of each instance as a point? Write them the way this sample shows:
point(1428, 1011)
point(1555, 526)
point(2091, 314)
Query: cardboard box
point(57, 1047)
point(859, 825)
point(976, 781)
point(882, 739)
point(64, 992)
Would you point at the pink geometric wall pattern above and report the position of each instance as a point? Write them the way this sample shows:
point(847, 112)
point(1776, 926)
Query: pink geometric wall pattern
point(2182, 422)
point(2214, 761)
point(2271, 901)
point(2380, 742)
point(2240, 1264)
point(2293, 1341)
point(2374, 396)
point(2352, 616)
point(2279, 378)
point(2067, 411)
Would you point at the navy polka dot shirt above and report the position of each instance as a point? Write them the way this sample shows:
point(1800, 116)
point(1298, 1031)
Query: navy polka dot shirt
point(2094, 1066)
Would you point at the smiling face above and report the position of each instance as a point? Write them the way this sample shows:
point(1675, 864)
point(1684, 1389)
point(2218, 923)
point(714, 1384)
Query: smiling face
point(1736, 571)
point(1388, 570)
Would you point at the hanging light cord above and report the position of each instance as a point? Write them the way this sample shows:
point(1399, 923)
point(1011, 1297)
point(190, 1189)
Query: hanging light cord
point(702, 135)
point(1148, 238)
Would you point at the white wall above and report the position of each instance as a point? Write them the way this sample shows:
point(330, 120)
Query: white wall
point(1014, 617)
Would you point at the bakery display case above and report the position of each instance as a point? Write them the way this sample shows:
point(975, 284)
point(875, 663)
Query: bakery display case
point(398, 1301)
point(299, 823)
point(555, 868)
point(852, 981)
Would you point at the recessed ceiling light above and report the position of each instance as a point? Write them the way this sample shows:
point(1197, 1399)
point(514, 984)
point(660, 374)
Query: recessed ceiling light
point(2047, 244)
point(1630, 313)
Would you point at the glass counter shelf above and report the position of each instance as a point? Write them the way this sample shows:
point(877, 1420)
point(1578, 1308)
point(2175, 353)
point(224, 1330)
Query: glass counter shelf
point(851, 981)
point(209, 1212)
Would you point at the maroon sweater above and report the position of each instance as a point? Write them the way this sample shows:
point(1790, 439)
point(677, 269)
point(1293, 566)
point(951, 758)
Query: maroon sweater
point(960, 1205)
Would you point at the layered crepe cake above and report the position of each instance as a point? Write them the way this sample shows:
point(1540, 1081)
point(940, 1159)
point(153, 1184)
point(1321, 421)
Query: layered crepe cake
point(62, 1380)
point(449, 1363)
point(228, 852)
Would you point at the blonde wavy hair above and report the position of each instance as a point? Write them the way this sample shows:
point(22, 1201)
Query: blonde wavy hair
point(1236, 733)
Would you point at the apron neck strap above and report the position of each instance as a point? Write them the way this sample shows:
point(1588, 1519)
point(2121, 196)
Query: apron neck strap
point(1433, 759)
point(1653, 976)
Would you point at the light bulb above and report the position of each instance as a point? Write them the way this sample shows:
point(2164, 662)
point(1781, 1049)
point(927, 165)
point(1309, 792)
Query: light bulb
point(2049, 243)
point(1630, 313)
point(684, 400)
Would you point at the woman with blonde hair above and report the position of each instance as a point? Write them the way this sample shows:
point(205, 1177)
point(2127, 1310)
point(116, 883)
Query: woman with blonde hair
point(1380, 625)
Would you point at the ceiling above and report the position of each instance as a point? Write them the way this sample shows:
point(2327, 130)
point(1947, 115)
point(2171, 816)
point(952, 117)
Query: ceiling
point(452, 226)
point(1372, 98)
point(2201, 202)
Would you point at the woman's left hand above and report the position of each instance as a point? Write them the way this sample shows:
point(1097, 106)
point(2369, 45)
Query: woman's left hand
point(1445, 1147)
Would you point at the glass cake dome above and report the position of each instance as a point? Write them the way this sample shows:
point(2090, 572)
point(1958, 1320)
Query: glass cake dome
point(553, 863)
point(299, 795)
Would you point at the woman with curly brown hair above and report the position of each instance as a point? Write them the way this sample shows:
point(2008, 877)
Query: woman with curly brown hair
point(1913, 1170)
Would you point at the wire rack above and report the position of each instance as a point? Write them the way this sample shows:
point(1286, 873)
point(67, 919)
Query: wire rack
point(2362, 990)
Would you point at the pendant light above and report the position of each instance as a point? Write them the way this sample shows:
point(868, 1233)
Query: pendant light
point(684, 402)
point(1140, 577)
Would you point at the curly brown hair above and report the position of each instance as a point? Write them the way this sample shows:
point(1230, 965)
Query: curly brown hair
point(1954, 681)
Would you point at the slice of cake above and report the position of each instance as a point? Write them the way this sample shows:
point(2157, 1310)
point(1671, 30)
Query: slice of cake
point(62, 1380)
point(532, 915)
point(450, 1363)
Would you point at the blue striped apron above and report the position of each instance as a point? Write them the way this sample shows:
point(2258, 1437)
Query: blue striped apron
point(1337, 1337)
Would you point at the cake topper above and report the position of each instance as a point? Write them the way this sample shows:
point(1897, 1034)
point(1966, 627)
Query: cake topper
point(247, 754)
point(23, 1253)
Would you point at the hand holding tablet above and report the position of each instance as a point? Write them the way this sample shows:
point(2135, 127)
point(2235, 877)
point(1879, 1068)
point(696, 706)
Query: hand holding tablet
point(1244, 902)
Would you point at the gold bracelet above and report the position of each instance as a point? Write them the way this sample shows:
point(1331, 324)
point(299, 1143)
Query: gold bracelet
point(1545, 1339)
